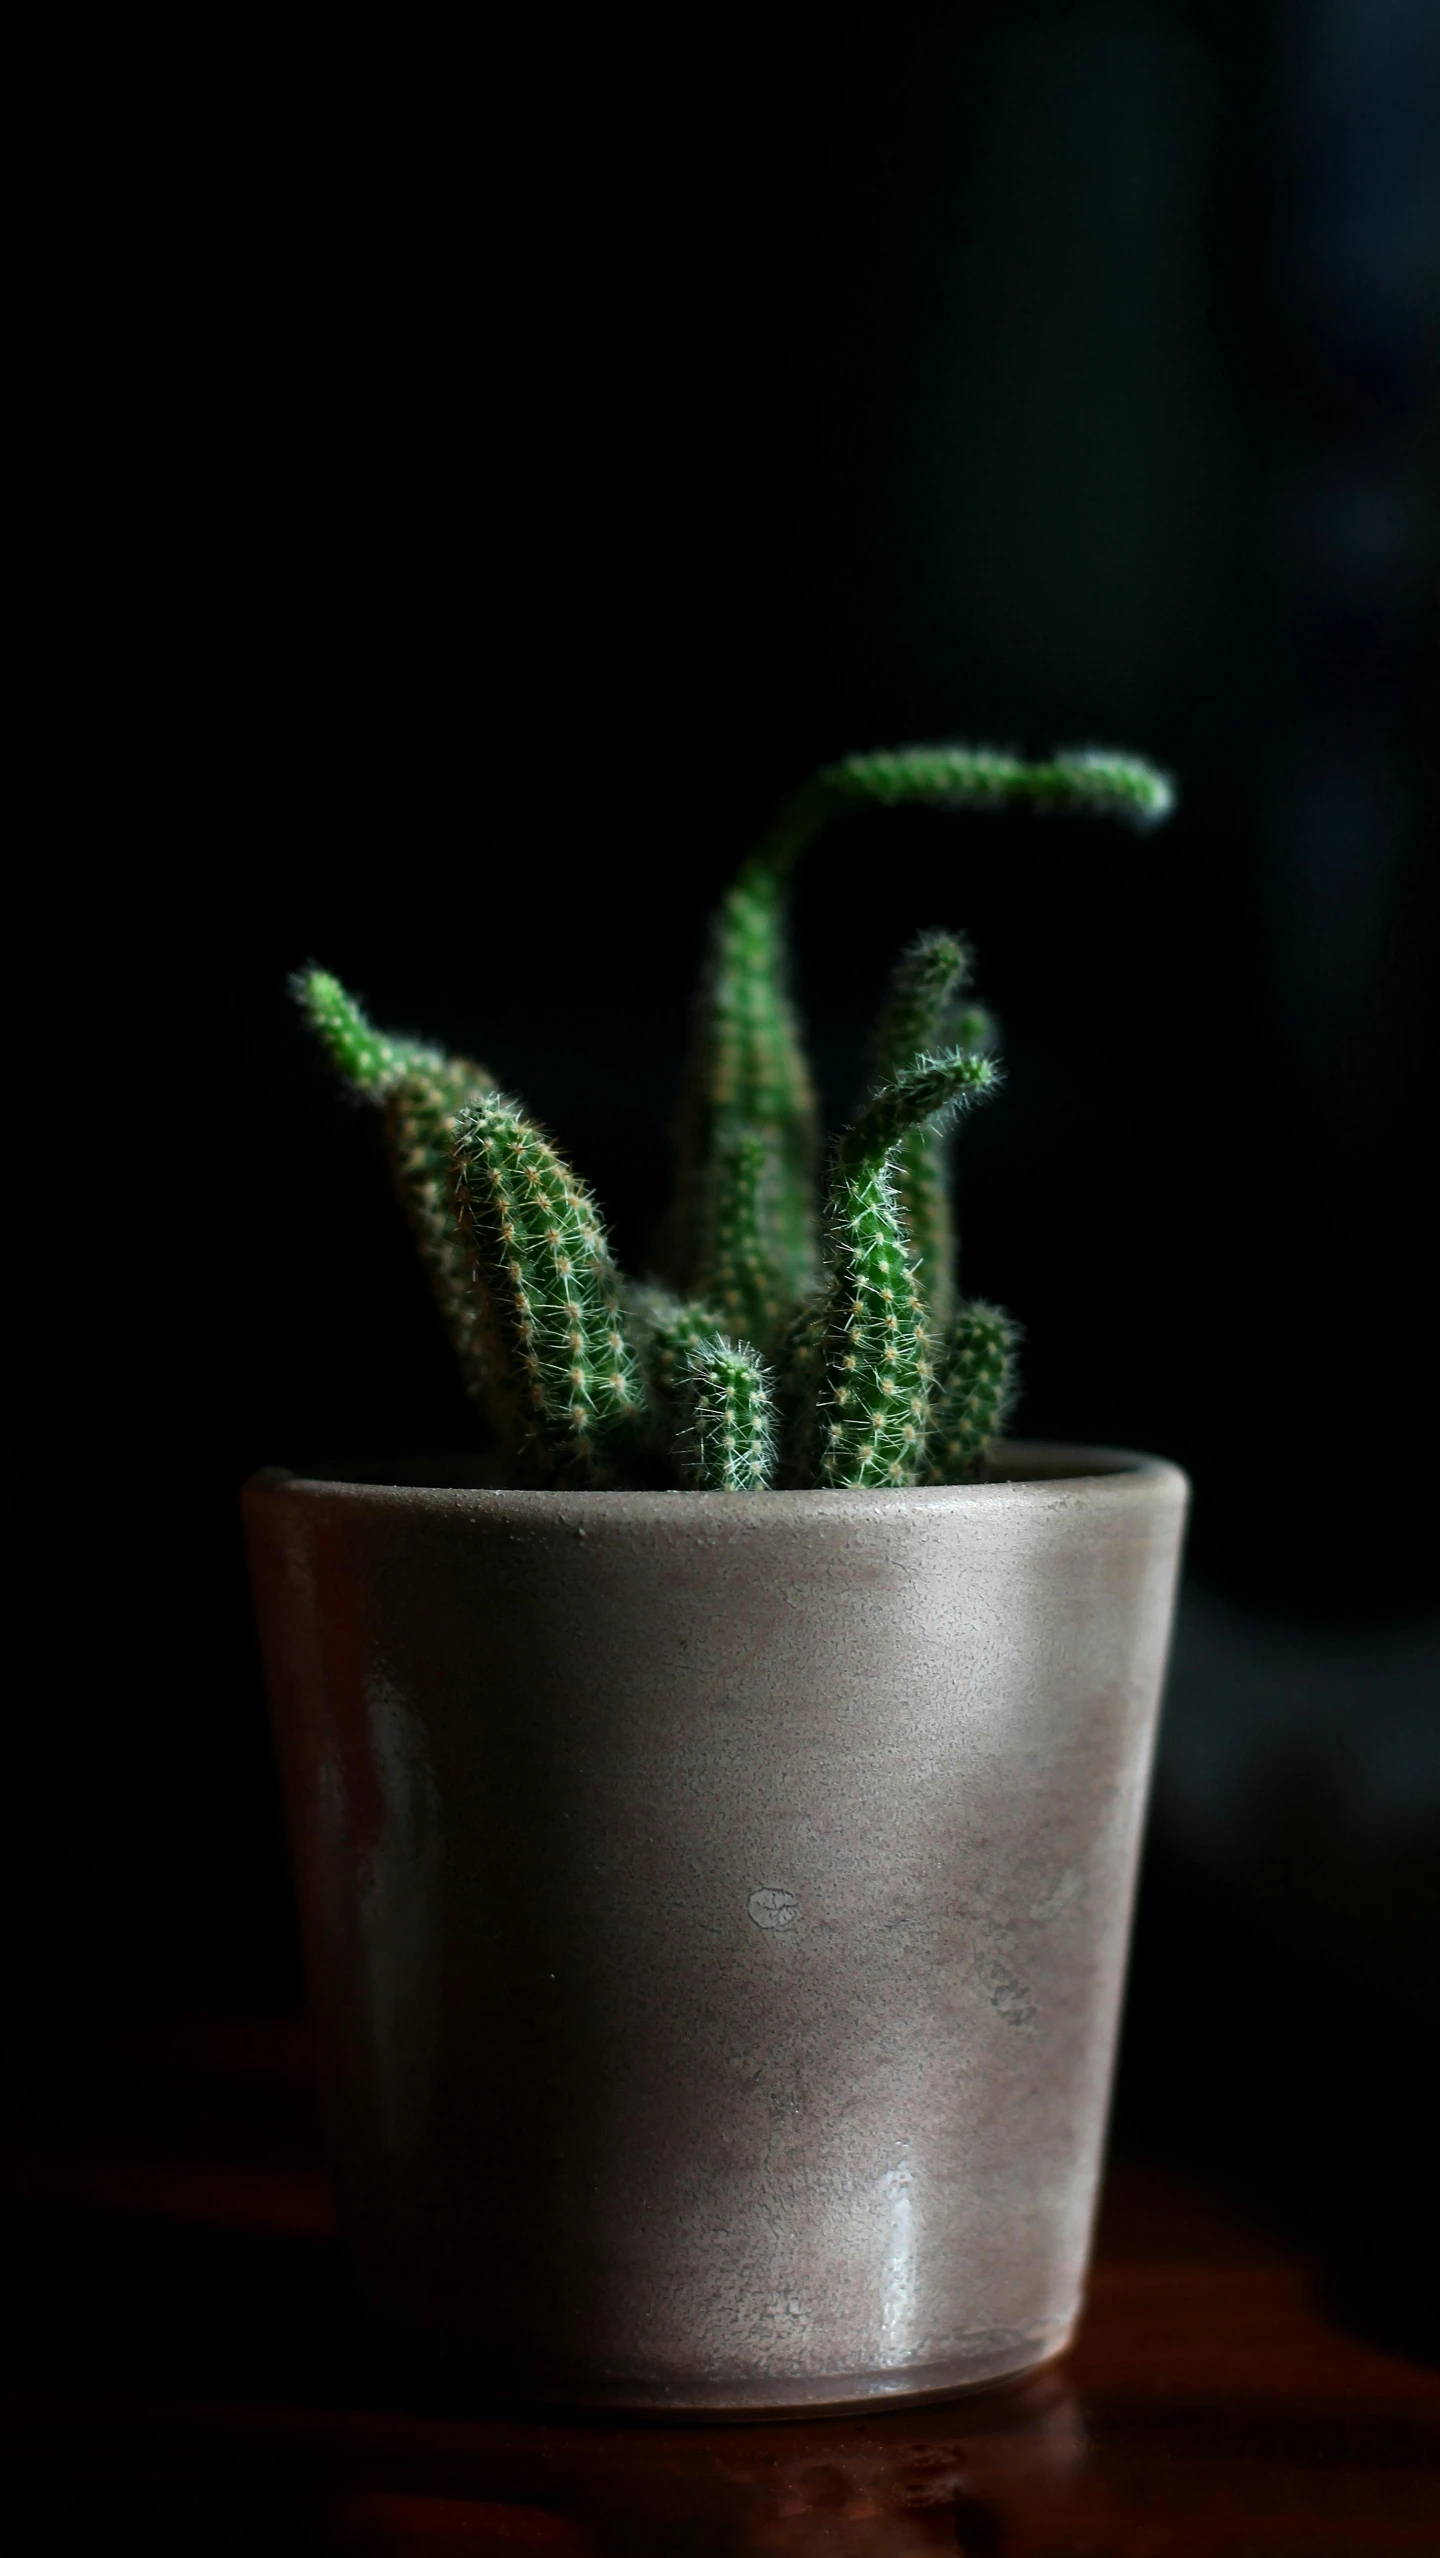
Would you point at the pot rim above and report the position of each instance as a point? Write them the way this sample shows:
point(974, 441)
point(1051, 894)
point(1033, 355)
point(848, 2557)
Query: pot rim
point(1022, 1471)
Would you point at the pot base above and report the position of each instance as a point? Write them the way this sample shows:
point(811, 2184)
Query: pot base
point(750, 2401)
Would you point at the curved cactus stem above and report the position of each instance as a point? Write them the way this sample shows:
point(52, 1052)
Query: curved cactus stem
point(975, 1391)
point(1088, 781)
point(747, 1074)
point(919, 999)
point(418, 1090)
point(371, 1061)
point(727, 1437)
point(929, 1092)
point(878, 1375)
point(918, 1004)
point(568, 1393)
point(420, 1115)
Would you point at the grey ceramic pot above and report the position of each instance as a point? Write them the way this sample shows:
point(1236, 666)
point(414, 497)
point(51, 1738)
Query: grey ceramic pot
point(715, 1911)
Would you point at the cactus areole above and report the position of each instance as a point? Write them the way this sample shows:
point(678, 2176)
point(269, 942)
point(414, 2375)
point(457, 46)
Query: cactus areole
point(807, 1334)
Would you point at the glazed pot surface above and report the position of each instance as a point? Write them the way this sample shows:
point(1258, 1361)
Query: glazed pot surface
point(715, 1912)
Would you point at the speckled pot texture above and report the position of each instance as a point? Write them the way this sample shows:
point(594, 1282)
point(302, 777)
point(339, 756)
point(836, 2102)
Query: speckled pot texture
point(715, 1909)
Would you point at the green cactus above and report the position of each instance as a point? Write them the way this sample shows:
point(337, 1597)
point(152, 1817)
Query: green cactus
point(418, 1091)
point(745, 1283)
point(589, 1381)
point(748, 1121)
point(665, 1329)
point(572, 1401)
point(919, 1000)
point(974, 1391)
point(872, 1419)
point(747, 1076)
point(369, 1060)
point(1087, 781)
point(919, 1008)
point(726, 1441)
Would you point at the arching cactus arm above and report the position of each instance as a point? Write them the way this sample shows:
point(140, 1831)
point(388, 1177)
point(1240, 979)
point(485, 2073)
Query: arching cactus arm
point(371, 1061)
point(1089, 781)
point(418, 1090)
point(919, 1003)
point(747, 1073)
point(919, 1000)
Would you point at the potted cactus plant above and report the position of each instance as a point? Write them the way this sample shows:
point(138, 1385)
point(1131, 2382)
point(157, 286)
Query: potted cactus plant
point(715, 1810)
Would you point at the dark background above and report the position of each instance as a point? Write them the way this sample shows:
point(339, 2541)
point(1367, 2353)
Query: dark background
point(478, 485)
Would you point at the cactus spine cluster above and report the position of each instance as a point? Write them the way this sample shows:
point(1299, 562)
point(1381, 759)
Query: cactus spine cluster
point(799, 1341)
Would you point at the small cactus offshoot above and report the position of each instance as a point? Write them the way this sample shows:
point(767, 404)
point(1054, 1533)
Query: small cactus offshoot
point(727, 1443)
point(798, 1338)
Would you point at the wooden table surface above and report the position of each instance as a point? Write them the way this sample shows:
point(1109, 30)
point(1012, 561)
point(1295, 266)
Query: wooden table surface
point(185, 2371)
